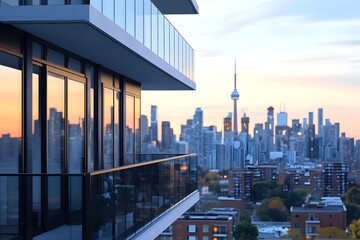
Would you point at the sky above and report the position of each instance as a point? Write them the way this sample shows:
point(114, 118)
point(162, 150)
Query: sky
point(294, 55)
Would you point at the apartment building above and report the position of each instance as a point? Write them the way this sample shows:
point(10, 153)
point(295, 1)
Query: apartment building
point(71, 76)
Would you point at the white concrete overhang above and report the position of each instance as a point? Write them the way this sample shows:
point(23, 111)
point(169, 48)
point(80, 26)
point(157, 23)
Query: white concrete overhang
point(83, 30)
point(177, 6)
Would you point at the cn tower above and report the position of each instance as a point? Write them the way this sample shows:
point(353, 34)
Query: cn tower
point(235, 96)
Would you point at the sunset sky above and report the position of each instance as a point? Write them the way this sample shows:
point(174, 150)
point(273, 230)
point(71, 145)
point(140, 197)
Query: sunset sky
point(302, 54)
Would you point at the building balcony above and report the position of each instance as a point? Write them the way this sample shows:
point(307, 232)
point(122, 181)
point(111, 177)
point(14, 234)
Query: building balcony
point(129, 202)
point(121, 35)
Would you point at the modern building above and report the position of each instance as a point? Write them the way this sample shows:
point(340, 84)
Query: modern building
point(154, 123)
point(71, 76)
point(335, 178)
point(329, 212)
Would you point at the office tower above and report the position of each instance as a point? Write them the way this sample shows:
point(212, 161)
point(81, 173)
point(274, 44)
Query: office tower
point(166, 136)
point(330, 142)
point(282, 119)
point(320, 121)
point(197, 141)
point(311, 118)
point(76, 74)
point(282, 133)
point(228, 123)
point(245, 123)
point(154, 123)
point(209, 141)
point(259, 150)
point(269, 131)
point(144, 123)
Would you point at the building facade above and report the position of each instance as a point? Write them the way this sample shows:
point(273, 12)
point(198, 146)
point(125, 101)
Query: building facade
point(71, 76)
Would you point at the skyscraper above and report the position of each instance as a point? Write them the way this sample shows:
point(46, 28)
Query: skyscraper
point(269, 130)
point(154, 123)
point(320, 122)
point(245, 123)
point(197, 145)
point(166, 135)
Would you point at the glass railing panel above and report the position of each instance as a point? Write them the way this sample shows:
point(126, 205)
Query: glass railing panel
point(130, 17)
point(154, 29)
point(139, 11)
point(109, 9)
point(120, 202)
point(120, 13)
point(142, 20)
point(147, 23)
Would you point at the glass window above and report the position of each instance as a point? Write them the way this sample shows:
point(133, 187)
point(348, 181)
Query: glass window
point(37, 49)
point(147, 23)
point(129, 130)
point(137, 129)
point(76, 65)
point(161, 36)
point(56, 57)
point(116, 129)
point(55, 122)
point(154, 29)
point(166, 40)
point(10, 2)
point(108, 128)
point(130, 17)
point(56, 2)
point(205, 228)
point(120, 13)
point(36, 130)
point(97, 4)
point(10, 113)
point(172, 46)
point(191, 228)
point(140, 20)
point(76, 126)
point(108, 9)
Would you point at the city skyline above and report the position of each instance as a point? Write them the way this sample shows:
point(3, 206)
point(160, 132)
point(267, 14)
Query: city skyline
point(303, 55)
point(289, 119)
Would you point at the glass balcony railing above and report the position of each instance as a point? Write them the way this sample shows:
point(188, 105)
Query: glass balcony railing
point(107, 204)
point(142, 20)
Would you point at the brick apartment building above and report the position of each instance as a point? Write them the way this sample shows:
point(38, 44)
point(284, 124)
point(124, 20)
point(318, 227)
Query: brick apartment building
point(329, 212)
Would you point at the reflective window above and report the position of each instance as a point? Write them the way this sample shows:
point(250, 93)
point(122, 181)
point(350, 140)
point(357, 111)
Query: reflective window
point(129, 130)
point(108, 130)
point(167, 40)
point(10, 2)
point(108, 9)
point(56, 57)
point(10, 113)
point(116, 129)
point(172, 46)
point(161, 35)
point(56, 2)
point(76, 126)
point(97, 4)
point(130, 17)
point(137, 116)
point(55, 121)
point(140, 20)
point(76, 65)
point(36, 130)
point(154, 29)
point(120, 13)
point(147, 23)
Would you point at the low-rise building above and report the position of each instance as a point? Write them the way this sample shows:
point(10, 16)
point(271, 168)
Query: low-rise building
point(329, 212)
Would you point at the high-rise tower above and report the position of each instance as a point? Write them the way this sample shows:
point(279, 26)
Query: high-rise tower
point(235, 96)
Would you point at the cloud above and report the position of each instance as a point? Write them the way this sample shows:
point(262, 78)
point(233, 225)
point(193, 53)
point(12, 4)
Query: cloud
point(348, 43)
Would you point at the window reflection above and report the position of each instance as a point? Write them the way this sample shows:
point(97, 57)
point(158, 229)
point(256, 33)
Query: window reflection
point(55, 121)
point(130, 130)
point(130, 17)
point(108, 128)
point(76, 125)
point(10, 119)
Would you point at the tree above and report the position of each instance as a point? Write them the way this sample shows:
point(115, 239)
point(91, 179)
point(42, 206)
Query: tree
point(245, 231)
point(331, 232)
point(354, 229)
point(295, 234)
point(295, 198)
point(352, 196)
